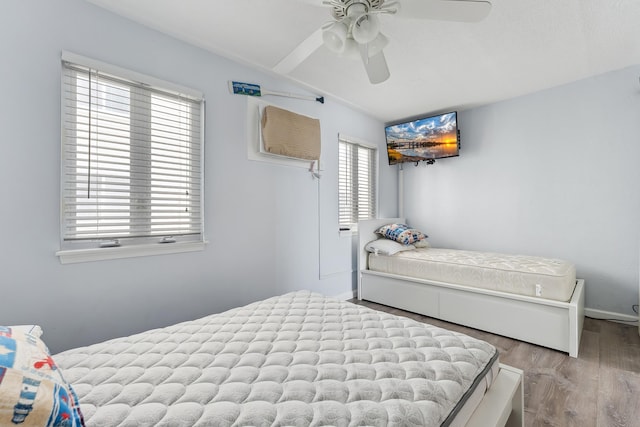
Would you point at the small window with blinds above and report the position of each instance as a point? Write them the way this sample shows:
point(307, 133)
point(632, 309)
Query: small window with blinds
point(357, 193)
point(131, 159)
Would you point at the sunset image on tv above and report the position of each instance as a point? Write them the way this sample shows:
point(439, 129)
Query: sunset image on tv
point(424, 139)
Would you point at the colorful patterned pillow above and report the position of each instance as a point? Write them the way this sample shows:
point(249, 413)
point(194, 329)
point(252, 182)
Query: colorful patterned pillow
point(401, 233)
point(32, 390)
point(34, 330)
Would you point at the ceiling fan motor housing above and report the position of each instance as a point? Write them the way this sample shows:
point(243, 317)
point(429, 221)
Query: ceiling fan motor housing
point(355, 16)
point(344, 8)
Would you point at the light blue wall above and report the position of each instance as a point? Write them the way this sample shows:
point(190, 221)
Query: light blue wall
point(271, 229)
point(555, 174)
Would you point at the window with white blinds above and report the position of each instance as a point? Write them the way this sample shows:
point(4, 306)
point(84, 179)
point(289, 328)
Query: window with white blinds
point(357, 169)
point(131, 160)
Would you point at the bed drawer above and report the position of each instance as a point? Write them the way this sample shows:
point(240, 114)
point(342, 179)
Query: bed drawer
point(410, 296)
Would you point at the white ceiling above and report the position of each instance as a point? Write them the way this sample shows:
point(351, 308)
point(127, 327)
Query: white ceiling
point(522, 46)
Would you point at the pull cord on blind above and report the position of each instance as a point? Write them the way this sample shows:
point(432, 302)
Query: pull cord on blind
point(356, 183)
point(131, 157)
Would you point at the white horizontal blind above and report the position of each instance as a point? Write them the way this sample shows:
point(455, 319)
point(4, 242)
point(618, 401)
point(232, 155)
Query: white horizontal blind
point(131, 160)
point(357, 167)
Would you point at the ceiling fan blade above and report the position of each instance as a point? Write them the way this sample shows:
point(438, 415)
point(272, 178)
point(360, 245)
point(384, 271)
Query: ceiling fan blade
point(445, 10)
point(300, 53)
point(376, 66)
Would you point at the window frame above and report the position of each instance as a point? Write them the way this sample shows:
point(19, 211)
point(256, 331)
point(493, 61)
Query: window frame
point(348, 229)
point(91, 250)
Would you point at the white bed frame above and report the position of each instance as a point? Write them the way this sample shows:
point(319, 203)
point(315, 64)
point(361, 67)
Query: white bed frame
point(503, 404)
point(544, 322)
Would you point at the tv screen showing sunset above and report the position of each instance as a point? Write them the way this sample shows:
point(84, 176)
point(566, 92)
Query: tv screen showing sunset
point(424, 139)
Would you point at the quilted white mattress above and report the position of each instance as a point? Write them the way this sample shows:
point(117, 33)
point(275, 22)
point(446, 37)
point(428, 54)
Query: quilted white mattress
point(517, 274)
point(296, 360)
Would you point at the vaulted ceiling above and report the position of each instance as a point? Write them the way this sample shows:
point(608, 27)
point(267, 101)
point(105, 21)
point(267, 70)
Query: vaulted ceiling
point(522, 46)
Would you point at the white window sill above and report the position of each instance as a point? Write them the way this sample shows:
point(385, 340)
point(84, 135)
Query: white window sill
point(100, 254)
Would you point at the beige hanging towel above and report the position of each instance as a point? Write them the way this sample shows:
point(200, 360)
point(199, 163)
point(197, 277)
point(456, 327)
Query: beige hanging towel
point(290, 134)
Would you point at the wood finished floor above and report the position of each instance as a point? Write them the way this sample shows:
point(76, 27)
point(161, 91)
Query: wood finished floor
point(601, 388)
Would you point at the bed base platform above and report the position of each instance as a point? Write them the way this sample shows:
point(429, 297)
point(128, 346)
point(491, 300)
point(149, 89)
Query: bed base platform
point(554, 324)
point(503, 403)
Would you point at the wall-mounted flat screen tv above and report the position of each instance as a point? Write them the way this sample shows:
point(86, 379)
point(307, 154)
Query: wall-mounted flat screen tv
point(430, 138)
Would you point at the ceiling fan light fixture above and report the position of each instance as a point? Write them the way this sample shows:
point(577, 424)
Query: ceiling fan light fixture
point(351, 50)
point(335, 37)
point(380, 42)
point(366, 28)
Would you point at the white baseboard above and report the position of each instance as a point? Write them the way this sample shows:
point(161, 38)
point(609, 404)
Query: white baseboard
point(609, 315)
point(346, 295)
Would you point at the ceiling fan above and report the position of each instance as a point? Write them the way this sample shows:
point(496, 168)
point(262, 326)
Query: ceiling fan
point(355, 29)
